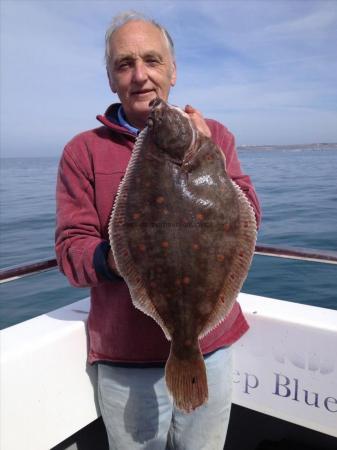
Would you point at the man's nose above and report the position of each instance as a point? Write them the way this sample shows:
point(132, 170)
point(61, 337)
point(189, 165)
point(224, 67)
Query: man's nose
point(140, 72)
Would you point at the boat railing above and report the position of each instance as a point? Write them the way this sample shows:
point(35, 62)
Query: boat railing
point(302, 254)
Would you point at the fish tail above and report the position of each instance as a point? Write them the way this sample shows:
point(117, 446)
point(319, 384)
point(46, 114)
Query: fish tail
point(187, 382)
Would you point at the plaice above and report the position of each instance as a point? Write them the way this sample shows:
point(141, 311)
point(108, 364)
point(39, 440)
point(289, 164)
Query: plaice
point(183, 236)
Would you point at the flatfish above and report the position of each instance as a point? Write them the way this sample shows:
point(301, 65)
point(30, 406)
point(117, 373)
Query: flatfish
point(183, 236)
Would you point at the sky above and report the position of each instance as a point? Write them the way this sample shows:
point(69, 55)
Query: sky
point(267, 69)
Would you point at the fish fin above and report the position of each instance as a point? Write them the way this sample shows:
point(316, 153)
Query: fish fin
point(119, 242)
point(240, 265)
point(187, 382)
point(141, 301)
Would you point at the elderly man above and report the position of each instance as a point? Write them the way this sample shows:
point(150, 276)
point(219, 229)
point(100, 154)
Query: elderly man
point(128, 347)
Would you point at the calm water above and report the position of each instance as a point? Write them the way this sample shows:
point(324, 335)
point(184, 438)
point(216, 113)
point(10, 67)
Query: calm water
point(297, 190)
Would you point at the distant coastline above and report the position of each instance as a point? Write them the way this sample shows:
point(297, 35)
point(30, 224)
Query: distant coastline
point(317, 146)
point(246, 147)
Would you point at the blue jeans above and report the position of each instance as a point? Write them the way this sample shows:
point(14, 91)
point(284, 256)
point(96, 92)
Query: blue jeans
point(138, 412)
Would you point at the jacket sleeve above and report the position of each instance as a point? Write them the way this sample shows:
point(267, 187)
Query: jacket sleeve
point(80, 250)
point(226, 142)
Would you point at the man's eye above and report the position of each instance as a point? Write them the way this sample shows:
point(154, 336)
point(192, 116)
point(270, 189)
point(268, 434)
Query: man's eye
point(152, 61)
point(124, 65)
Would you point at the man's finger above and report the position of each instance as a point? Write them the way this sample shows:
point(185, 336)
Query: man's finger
point(190, 109)
point(198, 120)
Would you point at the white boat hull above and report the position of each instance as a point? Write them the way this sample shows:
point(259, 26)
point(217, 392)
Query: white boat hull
point(285, 366)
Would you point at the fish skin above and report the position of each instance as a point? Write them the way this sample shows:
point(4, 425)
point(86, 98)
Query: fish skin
point(183, 237)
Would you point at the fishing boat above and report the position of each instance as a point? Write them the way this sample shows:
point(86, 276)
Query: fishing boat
point(284, 377)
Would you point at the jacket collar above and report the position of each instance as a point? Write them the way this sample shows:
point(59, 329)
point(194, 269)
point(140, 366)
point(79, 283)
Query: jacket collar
point(110, 120)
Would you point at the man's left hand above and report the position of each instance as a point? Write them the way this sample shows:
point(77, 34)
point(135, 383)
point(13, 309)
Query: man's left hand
point(198, 120)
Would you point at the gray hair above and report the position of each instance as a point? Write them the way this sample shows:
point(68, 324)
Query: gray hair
point(123, 18)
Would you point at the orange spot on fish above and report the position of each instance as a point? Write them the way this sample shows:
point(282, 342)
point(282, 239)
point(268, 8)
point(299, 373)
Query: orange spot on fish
point(186, 280)
point(220, 258)
point(195, 246)
point(165, 244)
point(160, 200)
point(209, 157)
point(200, 216)
point(136, 216)
point(141, 247)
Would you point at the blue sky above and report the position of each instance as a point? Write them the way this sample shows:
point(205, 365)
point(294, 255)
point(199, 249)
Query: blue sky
point(267, 69)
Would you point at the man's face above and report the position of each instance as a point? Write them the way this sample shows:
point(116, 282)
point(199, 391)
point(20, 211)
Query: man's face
point(141, 68)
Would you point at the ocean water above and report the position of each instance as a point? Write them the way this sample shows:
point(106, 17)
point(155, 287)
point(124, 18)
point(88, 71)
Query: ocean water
point(297, 191)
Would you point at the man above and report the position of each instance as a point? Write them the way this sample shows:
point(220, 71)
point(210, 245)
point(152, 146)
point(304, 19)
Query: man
point(128, 347)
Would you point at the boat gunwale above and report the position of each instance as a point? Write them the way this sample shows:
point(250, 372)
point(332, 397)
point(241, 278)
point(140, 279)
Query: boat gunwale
point(303, 254)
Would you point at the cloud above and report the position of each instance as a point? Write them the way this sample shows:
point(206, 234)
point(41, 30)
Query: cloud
point(319, 20)
point(263, 74)
point(242, 62)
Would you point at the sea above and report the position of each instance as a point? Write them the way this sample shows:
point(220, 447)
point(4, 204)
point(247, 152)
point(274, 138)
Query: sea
point(297, 189)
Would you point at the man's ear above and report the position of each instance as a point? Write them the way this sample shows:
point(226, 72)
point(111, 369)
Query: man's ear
point(111, 81)
point(174, 74)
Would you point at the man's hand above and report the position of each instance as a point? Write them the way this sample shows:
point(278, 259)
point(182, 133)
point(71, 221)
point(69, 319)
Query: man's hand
point(111, 263)
point(198, 120)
